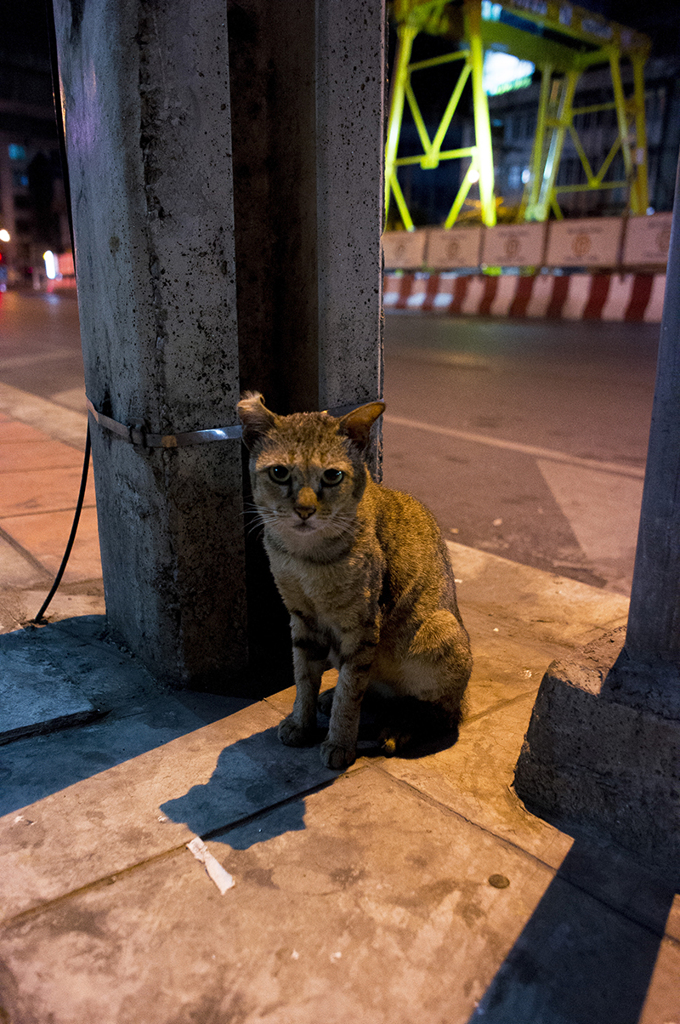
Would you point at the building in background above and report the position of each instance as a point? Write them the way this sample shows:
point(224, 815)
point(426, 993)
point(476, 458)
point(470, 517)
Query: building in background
point(513, 125)
point(32, 203)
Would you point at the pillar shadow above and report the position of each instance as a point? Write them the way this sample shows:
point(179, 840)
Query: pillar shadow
point(587, 954)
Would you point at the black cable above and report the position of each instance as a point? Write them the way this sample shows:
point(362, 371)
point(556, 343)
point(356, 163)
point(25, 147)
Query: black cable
point(56, 92)
point(74, 527)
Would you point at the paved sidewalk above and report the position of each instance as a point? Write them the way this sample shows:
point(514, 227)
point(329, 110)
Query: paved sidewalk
point(409, 890)
point(41, 460)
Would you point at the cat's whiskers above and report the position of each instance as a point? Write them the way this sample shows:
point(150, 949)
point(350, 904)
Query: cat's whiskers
point(341, 524)
point(261, 517)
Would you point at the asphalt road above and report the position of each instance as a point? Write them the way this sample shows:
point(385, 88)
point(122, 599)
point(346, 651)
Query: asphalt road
point(40, 345)
point(525, 438)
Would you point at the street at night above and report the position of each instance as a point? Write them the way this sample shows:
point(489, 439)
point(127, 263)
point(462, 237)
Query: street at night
point(536, 440)
point(526, 438)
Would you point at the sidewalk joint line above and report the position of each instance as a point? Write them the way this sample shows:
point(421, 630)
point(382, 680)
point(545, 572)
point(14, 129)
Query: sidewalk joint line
point(209, 836)
point(43, 511)
point(25, 553)
point(528, 695)
point(532, 856)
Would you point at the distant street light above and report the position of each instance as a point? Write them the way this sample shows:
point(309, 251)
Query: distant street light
point(4, 235)
point(51, 264)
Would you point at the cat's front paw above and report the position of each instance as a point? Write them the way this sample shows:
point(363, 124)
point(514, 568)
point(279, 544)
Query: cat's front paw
point(335, 756)
point(294, 735)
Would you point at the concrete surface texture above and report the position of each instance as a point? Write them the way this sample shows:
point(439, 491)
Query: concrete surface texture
point(594, 756)
point(408, 890)
point(153, 223)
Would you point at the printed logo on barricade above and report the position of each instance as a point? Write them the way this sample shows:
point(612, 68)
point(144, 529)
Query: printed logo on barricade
point(453, 248)
point(647, 240)
point(404, 250)
point(593, 242)
point(512, 247)
point(581, 245)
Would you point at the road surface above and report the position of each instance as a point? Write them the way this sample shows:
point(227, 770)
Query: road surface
point(526, 438)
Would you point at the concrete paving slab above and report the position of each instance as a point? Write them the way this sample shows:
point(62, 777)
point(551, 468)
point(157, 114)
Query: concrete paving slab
point(14, 432)
point(662, 1003)
point(81, 648)
point(505, 666)
point(579, 959)
point(474, 778)
point(72, 398)
point(361, 902)
point(64, 605)
point(41, 490)
point(17, 569)
point(520, 598)
point(37, 767)
point(45, 534)
point(36, 697)
point(148, 804)
point(38, 454)
point(10, 615)
point(60, 423)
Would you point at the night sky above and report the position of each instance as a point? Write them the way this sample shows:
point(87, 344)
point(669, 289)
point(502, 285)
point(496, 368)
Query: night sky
point(659, 18)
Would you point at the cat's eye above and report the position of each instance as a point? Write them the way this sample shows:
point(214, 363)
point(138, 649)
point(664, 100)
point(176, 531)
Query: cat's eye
point(279, 474)
point(331, 477)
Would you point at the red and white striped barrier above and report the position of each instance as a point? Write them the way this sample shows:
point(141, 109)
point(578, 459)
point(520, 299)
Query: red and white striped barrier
point(632, 297)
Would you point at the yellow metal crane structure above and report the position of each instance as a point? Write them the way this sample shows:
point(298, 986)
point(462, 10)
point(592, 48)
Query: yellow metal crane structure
point(562, 41)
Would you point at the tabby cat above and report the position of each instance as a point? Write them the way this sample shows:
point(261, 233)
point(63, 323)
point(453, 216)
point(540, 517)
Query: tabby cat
point(365, 575)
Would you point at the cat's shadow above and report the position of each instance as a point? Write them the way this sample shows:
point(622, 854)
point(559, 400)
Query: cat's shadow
point(252, 776)
point(258, 774)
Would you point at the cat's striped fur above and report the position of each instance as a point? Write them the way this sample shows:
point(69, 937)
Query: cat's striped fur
point(365, 575)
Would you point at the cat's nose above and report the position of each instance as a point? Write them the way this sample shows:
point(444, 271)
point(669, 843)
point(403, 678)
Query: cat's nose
point(305, 505)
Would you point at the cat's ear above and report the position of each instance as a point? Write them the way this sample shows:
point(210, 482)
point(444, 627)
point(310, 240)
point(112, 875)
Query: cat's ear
point(356, 425)
point(257, 420)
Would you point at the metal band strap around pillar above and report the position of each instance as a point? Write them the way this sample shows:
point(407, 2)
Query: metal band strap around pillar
point(137, 434)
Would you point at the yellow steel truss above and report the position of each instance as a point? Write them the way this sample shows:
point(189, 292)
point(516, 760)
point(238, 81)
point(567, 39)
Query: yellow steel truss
point(431, 17)
point(574, 41)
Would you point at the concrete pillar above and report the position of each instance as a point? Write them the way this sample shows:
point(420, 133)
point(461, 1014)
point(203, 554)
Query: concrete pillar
point(216, 167)
point(307, 82)
point(307, 125)
point(603, 744)
point(146, 97)
point(653, 636)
